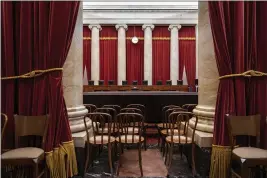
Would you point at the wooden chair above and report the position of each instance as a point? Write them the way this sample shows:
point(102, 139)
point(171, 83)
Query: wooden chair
point(90, 107)
point(30, 156)
point(143, 110)
point(243, 158)
point(175, 119)
point(116, 107)
point(102, 127)
point(124, 121)
point(189, 107)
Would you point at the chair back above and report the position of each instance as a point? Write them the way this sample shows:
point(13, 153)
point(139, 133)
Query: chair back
point(168, 112)
point(90, 107)
point(176, 119)
point(243, 126)
point(137, 106)
point(132, 110)
point(130, 120)
point(189, 107)
point(30, 126)
point(101, 126)
point(116, 107)
point(4, 120)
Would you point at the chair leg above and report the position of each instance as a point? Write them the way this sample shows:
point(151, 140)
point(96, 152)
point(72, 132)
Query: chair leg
point(166, 155)
point(140, 158)
point(145, 138)
point(88, 154)
point(170, 155)
point(163, 145)
point(119, 155)
point(181, 151)
point(193, 160)
point(159, 136)
point(35, 171)
point(110, 159)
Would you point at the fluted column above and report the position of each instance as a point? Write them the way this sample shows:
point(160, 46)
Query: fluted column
point(207, 73)
point(95, 28)
point(148, 52)
point(174, 53)
point(73, 81)
point(121, 52)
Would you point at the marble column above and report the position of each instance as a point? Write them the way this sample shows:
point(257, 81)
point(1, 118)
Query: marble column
point(148, 52)
point(121, 52)
point(73, 82)
point(174, 53)
point(207, 73)
point(95, 29)
point(196, 31)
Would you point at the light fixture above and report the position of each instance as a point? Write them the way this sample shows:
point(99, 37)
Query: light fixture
point(134, 40)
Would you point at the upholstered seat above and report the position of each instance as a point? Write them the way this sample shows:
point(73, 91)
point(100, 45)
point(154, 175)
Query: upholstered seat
point(176, 139)
point(131, 130)
point(164, 125)
point(23, 153)
point(101, 139)
point(168, 132)
point(250, 153)
point(136, 124)
point(129, 139)
point(105, 130)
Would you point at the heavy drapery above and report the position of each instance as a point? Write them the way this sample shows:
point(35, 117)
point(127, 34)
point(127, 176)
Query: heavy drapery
point(108, 54)
point(234, 32)
point(187, 53)
point(160, 54)
point(37, 36)
point(135, 55)
point(87, 51)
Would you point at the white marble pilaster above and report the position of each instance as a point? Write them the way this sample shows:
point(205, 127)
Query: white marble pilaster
point(196, 30)
point(73, 84)
point(122, 28)
point(95, 29)
point(174, 53)
point(148, 52)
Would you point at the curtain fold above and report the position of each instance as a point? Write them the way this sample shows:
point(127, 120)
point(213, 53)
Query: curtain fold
point(160, 54)
point(87, 51)
point(108, 54)
point(227, 24)
point(41, 33)
point(187, 53)
point(135, 55)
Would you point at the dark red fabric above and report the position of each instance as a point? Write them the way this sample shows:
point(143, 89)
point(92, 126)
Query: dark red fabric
point(134, 55)
point(108, 54)
point(256, 53)
point(227, 27)
point(187, 54)
point(37, 35)
point(160, 54)
point(87, 51)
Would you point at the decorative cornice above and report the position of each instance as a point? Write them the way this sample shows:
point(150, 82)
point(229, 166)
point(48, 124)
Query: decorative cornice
point(148, 26)
point(121, 25)
point(178, 26)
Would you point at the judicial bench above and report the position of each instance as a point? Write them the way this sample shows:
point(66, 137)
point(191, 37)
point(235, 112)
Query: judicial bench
point(154, 97)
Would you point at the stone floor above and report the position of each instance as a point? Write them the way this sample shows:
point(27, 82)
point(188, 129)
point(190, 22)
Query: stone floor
point(153, 165)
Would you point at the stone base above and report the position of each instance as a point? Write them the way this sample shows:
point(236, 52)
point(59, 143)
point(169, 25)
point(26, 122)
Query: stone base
point(80, 138)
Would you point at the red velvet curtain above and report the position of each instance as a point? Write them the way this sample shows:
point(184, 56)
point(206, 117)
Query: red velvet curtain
point(187, 53)
point(87, 51)
point(108, 54)
point(161, 54)
point(227, 27)
point(135, 55)
point(37, 35)
point(256, 53)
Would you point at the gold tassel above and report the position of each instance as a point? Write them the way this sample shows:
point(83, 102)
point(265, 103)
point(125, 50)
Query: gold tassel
point(220, 161)
point(71, 160)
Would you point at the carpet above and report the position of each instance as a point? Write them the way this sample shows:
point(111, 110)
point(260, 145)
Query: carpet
point(152, 163)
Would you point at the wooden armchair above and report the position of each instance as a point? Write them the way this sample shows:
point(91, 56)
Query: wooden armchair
point(90, 107)
point(243, 158)
point(30, 156)
point(4, 120)
point(116, 107)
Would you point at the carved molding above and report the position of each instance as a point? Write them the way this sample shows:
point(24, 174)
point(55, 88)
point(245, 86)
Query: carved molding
point(148, 26)
point(121, 25)
point(178, 26)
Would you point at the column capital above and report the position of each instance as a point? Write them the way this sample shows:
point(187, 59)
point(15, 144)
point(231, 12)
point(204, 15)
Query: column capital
point(96, 26)
point(148, 26)
point(118, 26)
point(178, 26)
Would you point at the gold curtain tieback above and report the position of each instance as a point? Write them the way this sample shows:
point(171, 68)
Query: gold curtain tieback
point(249, 73)
point(34, 73)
